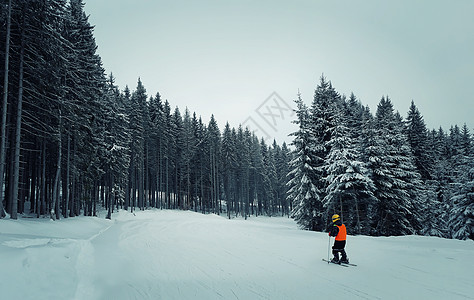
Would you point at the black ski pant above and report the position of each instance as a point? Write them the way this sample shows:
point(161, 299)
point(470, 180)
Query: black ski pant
point(339, 247)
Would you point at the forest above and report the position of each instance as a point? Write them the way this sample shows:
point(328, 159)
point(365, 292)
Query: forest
point(385, 174)
point(72, 143)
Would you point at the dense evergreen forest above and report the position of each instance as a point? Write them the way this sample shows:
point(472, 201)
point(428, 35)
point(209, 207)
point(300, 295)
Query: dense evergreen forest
point(73, 143)
point(384, 174)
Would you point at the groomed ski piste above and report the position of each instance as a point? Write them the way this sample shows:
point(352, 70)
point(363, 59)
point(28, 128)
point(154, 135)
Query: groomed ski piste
point(168, 254)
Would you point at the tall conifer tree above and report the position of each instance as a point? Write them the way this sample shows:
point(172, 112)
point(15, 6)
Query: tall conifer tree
point(302, 191)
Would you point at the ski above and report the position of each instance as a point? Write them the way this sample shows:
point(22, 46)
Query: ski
point(342, 264)
point(330, 262)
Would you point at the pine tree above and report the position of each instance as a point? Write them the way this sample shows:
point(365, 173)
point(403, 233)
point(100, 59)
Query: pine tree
point(188, 155)
point(213, 138)
point(156, 148)
point(268, 180)
point(441, 156)
point(434, 211)
point(168, 146)
point(243, 170)
point(323, 120)
point(466, 143)
point(229, 162)
point(177, 157)
point(256, 181)
point(302, 191)
point(116, 145)
point(417, 137)
point(273, 153)
point(281, 157)
point(355, 115)
point(198, 162)
point(137, 145)
point(349, 189)
point(462, 213)
point(393, 173)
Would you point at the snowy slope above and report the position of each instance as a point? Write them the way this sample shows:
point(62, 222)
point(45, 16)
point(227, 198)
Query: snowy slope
point(185, 255)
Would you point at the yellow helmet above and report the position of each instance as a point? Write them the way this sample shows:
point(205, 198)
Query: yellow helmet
point(335, 218)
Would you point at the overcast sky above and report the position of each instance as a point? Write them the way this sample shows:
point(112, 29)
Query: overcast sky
point(244, 61)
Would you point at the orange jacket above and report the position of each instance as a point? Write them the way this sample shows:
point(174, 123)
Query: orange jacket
point(341, 235)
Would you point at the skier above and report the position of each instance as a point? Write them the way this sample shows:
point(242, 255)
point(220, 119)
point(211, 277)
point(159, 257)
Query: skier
point(338, 230)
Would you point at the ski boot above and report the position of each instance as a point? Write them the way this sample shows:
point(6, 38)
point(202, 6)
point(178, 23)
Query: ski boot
point(336, 260)
point(344, 258)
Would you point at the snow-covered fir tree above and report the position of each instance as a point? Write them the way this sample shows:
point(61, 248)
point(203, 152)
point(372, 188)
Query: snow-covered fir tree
point(323, 121)
point(229, 162)
point(282, 168)
point(116, 139)
point(307, 207)
point(349, 188)
point(393, 173)
point(138, 123)
point(461, 214)
point(418, 138)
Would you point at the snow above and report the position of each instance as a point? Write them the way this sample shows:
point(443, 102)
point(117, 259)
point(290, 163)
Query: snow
point(168, 254)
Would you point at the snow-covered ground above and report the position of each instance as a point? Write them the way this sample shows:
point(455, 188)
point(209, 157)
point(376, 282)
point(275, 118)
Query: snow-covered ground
point(184, 255)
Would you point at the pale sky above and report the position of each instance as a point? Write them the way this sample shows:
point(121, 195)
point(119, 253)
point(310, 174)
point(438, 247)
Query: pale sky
point(244, 61)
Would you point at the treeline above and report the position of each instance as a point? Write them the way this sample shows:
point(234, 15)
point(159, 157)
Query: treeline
point(384, 174)
point(72, 142)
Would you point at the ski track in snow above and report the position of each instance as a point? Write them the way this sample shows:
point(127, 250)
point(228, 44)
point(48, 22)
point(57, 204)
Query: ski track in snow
point(184, 255)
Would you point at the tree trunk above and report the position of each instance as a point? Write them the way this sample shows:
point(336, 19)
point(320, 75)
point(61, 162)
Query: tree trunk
point(74, 199)
point(146, 177)
point(95, 197)
point(167, 195)
point(133, 184)
point(202, 190)
point(16, 168)
point(43, 179)
point(4, 112)
point(128, 186)
point(141, 183)
point(111, 197)
point(66, 202)
point(211, 178)
point(159, 187)
point(54, 210)
point(37, 190)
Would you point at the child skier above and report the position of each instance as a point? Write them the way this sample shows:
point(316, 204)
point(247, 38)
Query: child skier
point(338, 230)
